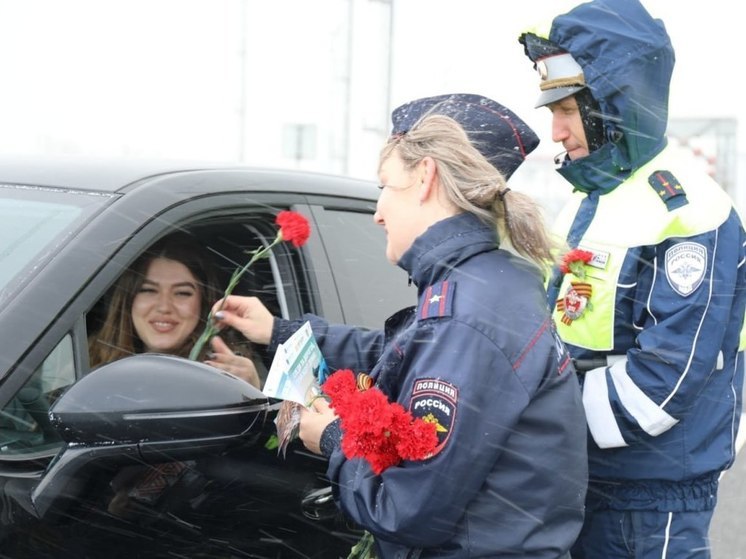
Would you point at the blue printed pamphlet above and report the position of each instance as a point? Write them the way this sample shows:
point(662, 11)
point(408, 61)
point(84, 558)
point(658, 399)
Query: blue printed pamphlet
point(296, 368)
point(294, 378)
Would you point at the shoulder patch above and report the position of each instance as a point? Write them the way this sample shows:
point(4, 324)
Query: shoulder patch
point(669, 189)
point(435, 401)
point(436, 301)
point(685, 267)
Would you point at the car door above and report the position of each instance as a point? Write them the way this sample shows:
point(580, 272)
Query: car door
point(323, 277)
point(368, 287)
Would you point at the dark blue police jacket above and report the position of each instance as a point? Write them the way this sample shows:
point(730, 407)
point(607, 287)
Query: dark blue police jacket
point(480, 356)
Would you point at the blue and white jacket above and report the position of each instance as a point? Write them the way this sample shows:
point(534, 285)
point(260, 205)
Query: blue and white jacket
point(664, 294)
point(479, 353)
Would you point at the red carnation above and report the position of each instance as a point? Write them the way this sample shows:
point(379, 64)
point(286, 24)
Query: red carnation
point(294, 227)
point(382, 432)
point(574, 262)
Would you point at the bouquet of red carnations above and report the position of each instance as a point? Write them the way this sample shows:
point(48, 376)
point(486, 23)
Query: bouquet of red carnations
point(381, 432)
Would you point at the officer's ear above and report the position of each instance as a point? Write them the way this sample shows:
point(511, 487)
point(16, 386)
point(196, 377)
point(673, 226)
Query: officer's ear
point(428, 173)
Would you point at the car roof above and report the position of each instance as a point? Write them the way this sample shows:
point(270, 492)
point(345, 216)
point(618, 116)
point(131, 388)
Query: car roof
point(117, 174)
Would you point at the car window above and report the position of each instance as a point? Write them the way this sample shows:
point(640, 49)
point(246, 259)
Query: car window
point(24, 423)
point(370, 287)
point(34, 222)
point(232, 243)
point(227, 243)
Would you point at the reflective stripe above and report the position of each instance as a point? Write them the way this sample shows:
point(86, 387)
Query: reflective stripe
point(667, 538)
point(742, 341)
point(649, 415)
point(600, 415)
point(598, 412)
point(699, 327)
point(648, 306)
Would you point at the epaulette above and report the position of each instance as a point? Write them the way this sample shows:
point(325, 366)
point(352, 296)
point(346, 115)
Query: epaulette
point(436, 301)
point(669, 189)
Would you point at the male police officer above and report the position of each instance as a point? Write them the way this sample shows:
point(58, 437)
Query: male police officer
point(651, 303)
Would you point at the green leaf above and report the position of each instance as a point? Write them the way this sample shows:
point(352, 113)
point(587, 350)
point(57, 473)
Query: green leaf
point(272, 442)
point(577, 268)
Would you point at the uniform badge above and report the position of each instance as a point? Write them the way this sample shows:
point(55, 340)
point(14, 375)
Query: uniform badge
point(599, 260)
point(437, 300)
point(576, 301)
point(685, 267)
point(435, 401)
point(669, 189)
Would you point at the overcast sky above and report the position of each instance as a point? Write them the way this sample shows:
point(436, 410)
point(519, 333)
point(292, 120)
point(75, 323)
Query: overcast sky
point(164, 77)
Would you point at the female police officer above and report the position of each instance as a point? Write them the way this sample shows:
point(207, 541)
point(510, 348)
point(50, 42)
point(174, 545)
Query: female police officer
point(478, 352)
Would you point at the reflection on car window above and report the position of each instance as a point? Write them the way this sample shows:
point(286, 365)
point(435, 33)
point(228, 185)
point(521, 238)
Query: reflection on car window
point(24, 422)
point(34, 222)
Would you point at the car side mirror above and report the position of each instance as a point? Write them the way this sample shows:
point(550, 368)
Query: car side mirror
point(147, 408)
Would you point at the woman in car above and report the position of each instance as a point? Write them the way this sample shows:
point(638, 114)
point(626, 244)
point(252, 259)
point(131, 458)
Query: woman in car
point(478, 354)
point(159, 305)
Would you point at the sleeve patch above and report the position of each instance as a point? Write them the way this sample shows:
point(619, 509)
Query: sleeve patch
point(669, 189)
point(436, 402)
point(686, 264)
point(436, 301)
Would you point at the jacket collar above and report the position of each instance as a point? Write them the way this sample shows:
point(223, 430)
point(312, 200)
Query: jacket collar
point(445, 245)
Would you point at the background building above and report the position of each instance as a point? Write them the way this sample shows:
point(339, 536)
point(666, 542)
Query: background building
point(310, 84)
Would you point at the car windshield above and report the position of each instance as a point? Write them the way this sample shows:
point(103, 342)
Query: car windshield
point(34, 223)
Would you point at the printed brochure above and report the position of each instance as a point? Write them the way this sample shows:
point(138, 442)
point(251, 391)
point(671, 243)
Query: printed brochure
point(293, 377)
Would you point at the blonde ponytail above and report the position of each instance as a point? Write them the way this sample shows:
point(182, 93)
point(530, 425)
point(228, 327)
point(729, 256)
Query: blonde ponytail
point(474, 185)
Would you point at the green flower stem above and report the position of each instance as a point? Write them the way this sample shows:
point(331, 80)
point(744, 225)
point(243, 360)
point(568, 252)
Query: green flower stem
point(363, 549)
point(210, 328)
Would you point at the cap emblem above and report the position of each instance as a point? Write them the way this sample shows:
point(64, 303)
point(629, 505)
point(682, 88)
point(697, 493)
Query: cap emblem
point(541, 67)
point(559, 70)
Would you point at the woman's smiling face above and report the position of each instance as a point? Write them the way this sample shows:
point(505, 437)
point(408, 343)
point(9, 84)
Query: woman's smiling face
point(166, 308)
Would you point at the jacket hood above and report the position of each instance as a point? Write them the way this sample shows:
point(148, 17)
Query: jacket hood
point(627, 60)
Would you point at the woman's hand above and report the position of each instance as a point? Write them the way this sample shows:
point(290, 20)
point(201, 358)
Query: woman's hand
point(223, 358)
point(313, 422)
point(248, 315)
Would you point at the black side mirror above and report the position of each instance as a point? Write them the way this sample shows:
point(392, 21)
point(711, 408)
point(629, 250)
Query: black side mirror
point(147, 408)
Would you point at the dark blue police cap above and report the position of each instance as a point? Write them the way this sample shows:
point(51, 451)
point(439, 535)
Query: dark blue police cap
point(503, 138)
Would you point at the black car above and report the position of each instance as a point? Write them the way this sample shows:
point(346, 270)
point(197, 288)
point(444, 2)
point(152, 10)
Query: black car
point(67, 231)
